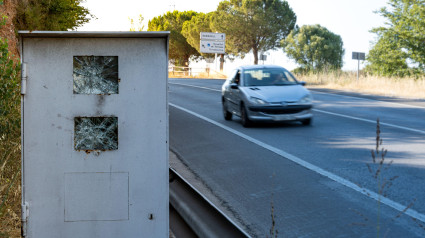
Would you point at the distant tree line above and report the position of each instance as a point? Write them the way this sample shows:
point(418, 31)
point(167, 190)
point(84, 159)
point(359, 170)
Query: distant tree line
point(256, 26)
point(251, 26)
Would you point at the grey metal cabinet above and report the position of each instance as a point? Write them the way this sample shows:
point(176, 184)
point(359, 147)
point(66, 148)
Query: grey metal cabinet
point(94, 134)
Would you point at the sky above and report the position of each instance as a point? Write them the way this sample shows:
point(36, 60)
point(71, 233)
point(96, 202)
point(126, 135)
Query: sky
point(351, 19)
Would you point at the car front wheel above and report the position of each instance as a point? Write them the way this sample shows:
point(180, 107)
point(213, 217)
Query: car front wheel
point(227, 115)
point(244, 117)
point(306, 122)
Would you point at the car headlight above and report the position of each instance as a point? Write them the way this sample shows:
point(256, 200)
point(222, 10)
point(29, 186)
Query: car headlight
point(307, 99)
point(255, 100)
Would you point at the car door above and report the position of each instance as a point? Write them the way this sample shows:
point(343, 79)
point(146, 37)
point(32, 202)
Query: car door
point(234, 92)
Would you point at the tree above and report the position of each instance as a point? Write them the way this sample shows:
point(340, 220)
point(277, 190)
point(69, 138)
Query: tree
point(400, 46)
point(51, 15)
point(191, 29)
point(180, 51)
point(387, 59)
point(314, 47)
point(253, 25)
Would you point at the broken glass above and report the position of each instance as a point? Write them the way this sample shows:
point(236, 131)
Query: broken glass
point(96, 133)
point(95, 74)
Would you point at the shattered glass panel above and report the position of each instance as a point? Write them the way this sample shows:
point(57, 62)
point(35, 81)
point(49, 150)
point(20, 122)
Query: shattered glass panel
point(96, 133)
point(95, 74)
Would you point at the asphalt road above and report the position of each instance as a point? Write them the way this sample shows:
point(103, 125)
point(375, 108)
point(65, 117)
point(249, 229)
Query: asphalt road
point(313, 180)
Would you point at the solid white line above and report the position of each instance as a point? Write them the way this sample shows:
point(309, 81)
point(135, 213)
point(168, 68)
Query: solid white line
point(368, 99)
point(193, 86)
point(399, 207)
point(370, 121)
point(337, 114)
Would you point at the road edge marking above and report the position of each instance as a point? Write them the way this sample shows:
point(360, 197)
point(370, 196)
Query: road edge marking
point(367, 99)
point(194, 86)
point(370, 121)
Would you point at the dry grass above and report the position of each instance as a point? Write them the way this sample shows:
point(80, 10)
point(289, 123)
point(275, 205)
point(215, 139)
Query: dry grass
point(10, 188)
point(8, 9)
point(398, 87)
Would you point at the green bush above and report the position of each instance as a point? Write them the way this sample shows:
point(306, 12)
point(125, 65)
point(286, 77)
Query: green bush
point(9, 139)
point(9, 92)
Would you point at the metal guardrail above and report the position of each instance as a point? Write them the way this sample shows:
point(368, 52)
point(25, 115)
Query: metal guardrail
point(192, 215)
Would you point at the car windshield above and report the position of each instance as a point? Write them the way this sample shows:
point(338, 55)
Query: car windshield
point(268, 77)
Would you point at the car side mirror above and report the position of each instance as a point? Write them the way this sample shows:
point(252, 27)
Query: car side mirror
point(303, 83)
point(234, 86)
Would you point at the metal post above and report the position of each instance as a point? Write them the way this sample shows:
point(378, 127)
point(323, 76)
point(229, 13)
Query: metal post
point(215, 61)
point(358, 69)
point(358, 56)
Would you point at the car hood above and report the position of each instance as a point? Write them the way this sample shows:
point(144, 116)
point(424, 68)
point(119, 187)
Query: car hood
point(288, 93)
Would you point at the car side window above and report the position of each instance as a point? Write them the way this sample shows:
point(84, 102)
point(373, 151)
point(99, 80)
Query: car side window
point(237, 78)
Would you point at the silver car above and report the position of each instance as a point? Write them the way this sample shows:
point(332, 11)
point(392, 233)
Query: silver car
point(265, 93)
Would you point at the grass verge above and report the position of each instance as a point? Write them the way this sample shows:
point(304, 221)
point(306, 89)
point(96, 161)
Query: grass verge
point(412, 88)
point(10, 142)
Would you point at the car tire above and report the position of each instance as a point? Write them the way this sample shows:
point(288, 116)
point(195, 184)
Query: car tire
point(227, 115)
point(306, 122)
point(244, 117)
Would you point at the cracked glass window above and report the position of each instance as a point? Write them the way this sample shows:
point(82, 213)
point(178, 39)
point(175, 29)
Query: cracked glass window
point(96, 133)
point(95, 74)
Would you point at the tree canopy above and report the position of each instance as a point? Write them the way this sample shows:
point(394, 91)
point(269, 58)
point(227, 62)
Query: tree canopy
point(253, 25)
point(51, 15)
point(192, 29)
point(400, 46)
point(180, 50)
point(314, 47)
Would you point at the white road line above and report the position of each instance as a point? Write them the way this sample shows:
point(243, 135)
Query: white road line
point(337, 114)
point(399, 207)
point(193, 86)
point(368, 99)
point(370, 121)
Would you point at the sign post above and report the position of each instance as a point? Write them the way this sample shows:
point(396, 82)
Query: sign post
point(213, 43)
point(358, 56)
